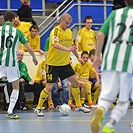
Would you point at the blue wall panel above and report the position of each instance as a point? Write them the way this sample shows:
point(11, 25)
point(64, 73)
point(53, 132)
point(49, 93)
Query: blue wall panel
point(3, 4)
point(54, 1)
point(35, 4)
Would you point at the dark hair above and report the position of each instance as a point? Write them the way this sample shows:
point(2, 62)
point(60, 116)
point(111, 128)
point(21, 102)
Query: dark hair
point(129, 2)
point(87, 17)
point(9, 15)
point(34, 27)
point(92, 52)
point(84, 52)
point(56, 24)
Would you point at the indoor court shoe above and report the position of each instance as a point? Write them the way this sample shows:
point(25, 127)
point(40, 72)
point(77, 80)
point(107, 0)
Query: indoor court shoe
point(12, 116)
point(97, 120)
point(86, 106)
point(106, 129)
point(39, 112)
point(83, 109)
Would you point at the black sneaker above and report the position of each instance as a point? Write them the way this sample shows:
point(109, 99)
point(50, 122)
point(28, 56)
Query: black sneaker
point(24, 108)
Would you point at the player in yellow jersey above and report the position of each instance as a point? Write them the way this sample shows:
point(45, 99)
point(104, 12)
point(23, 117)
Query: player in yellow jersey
point(58, 62)
point(24, 27)
point(34, 39)
point(40, 77)
point(86, 38)
point(84, 72)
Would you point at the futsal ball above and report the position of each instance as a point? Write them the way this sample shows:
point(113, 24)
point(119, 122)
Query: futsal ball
point(65, 109)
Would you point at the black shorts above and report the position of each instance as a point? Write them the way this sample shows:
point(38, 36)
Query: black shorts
point(53, 72)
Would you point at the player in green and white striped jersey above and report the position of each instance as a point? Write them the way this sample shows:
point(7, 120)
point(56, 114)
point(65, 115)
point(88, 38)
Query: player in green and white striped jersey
point(9, 40)
point(117, 67)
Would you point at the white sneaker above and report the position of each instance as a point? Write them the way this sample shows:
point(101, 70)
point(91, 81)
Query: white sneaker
point(83, 109)
point(39, 112)
point(86, 106)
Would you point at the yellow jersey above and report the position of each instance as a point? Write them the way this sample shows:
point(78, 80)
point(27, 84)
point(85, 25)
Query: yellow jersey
point(41, 72)
point(56, 57)
point(25, 28)
point(84, 71)
point(34, 42)
point(86, 39)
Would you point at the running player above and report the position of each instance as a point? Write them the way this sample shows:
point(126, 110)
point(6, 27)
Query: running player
point(9, 38)
point(117, 67)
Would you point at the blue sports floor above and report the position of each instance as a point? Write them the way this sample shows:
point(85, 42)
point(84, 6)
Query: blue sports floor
point(54, 122)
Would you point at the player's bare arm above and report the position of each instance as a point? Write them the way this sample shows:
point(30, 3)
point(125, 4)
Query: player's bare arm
point(27, 45)
point(78, 58)
point(100, 42)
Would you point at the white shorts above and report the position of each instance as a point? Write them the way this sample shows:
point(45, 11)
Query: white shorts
point(114, 83)
point(12, 73)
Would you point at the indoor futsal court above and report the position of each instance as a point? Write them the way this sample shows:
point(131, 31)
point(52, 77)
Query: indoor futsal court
point(54, 122)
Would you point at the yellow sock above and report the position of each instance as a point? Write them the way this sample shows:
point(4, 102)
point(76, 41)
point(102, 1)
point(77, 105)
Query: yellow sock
point(96, 94)
point(43, 95)
point(82, 100)
point(50, 102)
point(76, 95)
point(88, 93)
point(70, 100)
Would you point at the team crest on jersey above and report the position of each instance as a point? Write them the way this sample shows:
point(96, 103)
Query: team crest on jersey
point(43, 72)
point(78, 37)
point(55, 39)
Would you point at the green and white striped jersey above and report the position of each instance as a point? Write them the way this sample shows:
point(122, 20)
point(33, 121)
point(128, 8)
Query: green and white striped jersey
point(10, 37)
point(119, 30)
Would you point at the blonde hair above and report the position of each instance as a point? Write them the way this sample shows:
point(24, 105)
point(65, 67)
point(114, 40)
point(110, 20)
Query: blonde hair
point(24, 1)
point(66, 15)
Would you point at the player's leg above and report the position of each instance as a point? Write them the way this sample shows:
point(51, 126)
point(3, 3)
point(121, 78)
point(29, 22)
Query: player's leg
point(68, 72)
point(76, 94)
point(121, 109)
point(88, 93)
point(12, 74)
point(96, 93)
point(106, 98)
point(51, 77)
point(70, 101)
point(122, 105)
point(13, 100)
point(82, 92)
point(43, 96)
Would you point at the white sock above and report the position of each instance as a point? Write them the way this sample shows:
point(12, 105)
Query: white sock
point(109, 125)
point(119, 111)
point(13, 100)
point(105, 104)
